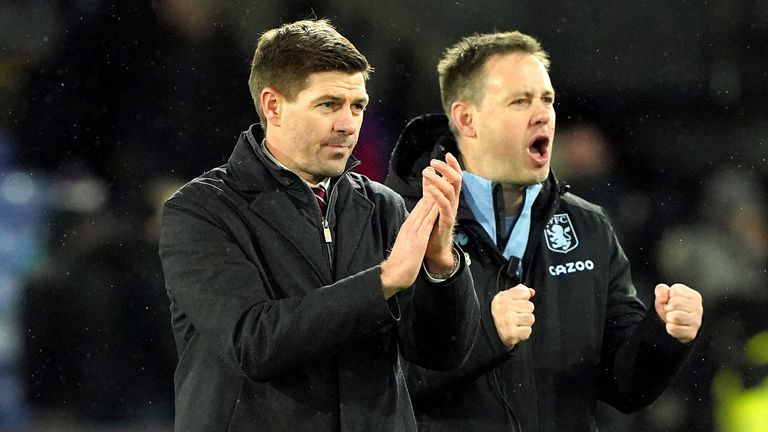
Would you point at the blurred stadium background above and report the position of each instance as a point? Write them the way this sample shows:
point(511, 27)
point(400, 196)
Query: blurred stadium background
point(107, 106)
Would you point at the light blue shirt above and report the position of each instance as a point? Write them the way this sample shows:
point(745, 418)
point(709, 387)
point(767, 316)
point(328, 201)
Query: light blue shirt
point(478, 193)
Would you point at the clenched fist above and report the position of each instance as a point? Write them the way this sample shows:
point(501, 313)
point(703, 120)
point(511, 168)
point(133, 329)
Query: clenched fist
point(680, 308)
point(512, 313)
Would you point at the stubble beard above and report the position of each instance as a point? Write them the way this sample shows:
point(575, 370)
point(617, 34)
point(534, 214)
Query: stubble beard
point(326, 170)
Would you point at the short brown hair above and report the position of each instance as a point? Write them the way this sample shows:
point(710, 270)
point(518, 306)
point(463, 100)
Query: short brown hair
point(462, 65)
point(287, 55)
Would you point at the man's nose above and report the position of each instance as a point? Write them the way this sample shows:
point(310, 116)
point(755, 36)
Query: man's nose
point(542, 114)
point(346, 121)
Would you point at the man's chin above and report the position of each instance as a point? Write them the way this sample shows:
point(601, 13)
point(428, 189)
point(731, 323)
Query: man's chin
point(540, 175)
point(330, 172)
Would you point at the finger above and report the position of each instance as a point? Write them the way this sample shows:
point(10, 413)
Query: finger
point(421, 207)
point(680, 290)
point(521, 286)
point(523, 306)
point(525, 320)
point(525, 333)
point(683, 303)
point(437, 191)
point(519, 292)
point(417, 213)
point(662, 293)
point(514, 301)
point(425, 194)
point(689, 328)
point(682, 333)
point(424, 185)
point(442, 193)
point(511, 308)
point(448, 172)
point(429, 221)
point(683, 318)
point(443, 203)
point(430, 176)
point(451, 160)
point(429, 200)
point(417, 217)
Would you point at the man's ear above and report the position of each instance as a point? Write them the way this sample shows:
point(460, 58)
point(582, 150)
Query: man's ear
point(271, 105)
point(462, 117)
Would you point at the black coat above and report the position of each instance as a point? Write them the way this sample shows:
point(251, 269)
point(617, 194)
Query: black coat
point(592, 338)
point(271, 337)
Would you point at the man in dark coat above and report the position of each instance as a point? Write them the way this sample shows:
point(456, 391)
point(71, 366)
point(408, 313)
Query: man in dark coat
point(537, 253)
point(296, 285)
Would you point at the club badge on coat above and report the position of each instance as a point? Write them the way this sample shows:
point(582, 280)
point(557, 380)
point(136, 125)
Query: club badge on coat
point(560, 235)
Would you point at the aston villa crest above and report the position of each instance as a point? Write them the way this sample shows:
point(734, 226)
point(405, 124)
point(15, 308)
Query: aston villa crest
point(560, 234)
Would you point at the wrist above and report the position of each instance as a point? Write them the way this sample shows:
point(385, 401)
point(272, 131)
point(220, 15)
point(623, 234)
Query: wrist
point(388, 283)
point(445, 268)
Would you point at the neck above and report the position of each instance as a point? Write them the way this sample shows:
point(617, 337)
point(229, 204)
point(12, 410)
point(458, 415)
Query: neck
point(513, 199)
point(276, 156)
point(274, 153)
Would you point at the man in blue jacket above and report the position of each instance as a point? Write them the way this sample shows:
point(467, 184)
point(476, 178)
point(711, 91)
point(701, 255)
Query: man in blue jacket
point(296, 285)
point(538, 254)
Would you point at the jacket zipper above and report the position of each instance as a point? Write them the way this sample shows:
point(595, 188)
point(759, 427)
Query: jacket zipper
point(327, 235)
point(328, 240)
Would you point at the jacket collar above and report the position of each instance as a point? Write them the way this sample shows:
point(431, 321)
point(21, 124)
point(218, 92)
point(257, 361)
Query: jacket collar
point(265, 184)
point(429, 136)
point(247, 163)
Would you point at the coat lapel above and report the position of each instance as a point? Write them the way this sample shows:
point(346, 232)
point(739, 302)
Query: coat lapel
point(353, 219)
point(275, 209)
point(287, 216)
point(294, 220)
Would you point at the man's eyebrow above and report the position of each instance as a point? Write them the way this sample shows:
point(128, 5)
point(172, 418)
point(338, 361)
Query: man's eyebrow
point(336, 98)
point(327, 97)
point(530, 94)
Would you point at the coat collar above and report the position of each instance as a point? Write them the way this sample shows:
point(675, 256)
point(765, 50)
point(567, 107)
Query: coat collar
point(247, 163)
point(429, 136)
point(274, 193)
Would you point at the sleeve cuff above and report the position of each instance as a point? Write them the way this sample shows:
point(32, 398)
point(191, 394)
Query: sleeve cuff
point(436, 279)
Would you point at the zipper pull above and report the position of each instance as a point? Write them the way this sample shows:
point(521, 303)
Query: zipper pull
point(327, 231)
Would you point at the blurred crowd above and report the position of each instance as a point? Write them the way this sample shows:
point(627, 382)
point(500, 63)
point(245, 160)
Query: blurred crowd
point(721, 248)
point(107, 107)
